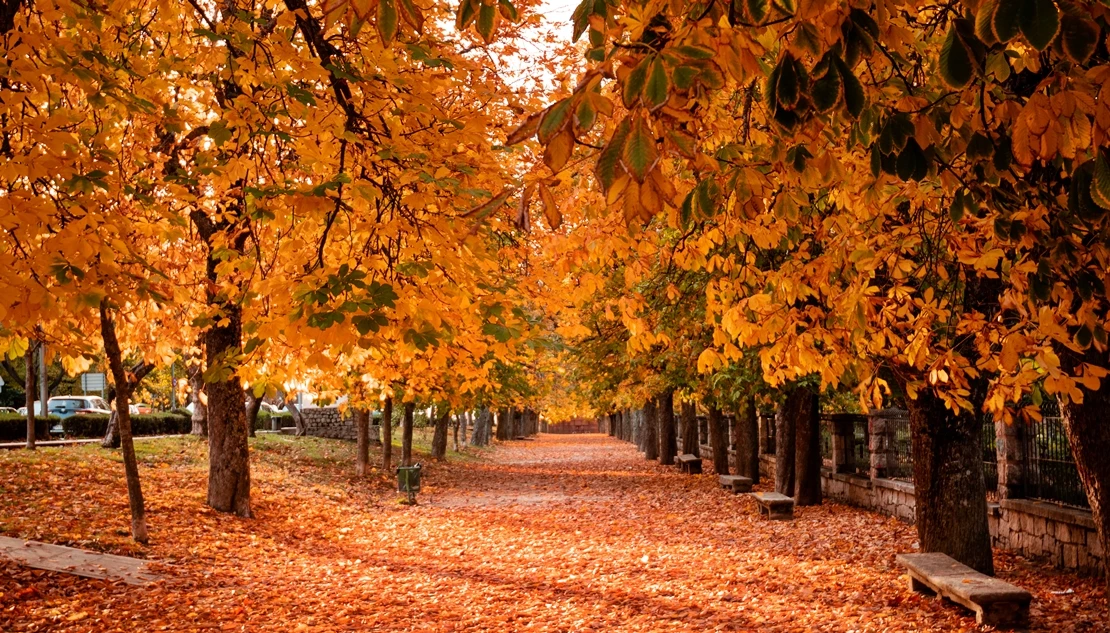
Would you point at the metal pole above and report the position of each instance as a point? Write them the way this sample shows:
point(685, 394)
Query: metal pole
point(44, 387)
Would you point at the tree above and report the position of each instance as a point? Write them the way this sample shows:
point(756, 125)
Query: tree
point(667, 438)
point(387, 434)
point(651, 428)
point(361, 419)
point(406, 434)
point(439, 437)
point(718, 442)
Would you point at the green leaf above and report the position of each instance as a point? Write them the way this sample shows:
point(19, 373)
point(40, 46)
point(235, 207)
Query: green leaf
point(553, 120)
point(387, 21)
point(683, 76)
point(581, 18)
point(955, 61)
point(696, 52)
point(219, 132)
point(508, 11)
point(787, 89)
point(486, 15)
point(639, 153)
point(1040, 21)
point(912, 163)
point(497, 331)
point(854, 99)
point(983, 28)
point(757, 10)
point(300, 94)
point(634, 83)
point(827, 90)
point(368, 323)
point(468, 10)
point(1005, 23)
point(1078, 37)
point(608, 162)
point(413, 15)
point(584, 116)
point(655, 90)
point(1100, 182)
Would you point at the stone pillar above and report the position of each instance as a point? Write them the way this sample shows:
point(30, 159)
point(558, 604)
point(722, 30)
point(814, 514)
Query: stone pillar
point(881, 444)
point(766, 434)
point(1009, 453)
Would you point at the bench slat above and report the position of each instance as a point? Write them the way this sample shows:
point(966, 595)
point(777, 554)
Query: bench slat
point(994, 601)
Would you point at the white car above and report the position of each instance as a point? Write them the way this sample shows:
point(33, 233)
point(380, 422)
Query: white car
point(66, 406)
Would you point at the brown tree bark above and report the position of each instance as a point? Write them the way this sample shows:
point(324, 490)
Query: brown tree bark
point(807, 455)
point(688, 414)
point(948, 480)
point(668, 440)
point(136, 375)
point(717, 440)
point(406, 434)
point(651, 429)
point(229, 477)
point(253, 405)
point(439, 438)
point(29, 387)
point(387, 435)
point(123, 400)
point(785, 438)
point(200, 410)
point(747, 441)
point(361, 418)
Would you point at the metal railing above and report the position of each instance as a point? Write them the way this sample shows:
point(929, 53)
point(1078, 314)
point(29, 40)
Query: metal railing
point(901, 449)
point(1049, 471)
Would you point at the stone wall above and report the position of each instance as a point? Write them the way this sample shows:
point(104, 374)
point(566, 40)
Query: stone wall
point(328, 422)
point(1065, 536)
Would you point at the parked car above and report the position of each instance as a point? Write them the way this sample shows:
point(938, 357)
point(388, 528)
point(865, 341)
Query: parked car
point(9, 410)
point(141, 408)
point(66, 406)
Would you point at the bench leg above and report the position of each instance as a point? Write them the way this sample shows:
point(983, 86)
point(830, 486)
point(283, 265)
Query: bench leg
point(920, 587)
point(1003, 614)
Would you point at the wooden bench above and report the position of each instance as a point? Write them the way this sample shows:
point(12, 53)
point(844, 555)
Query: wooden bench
point(994, 602)
point(775, 505)
point(736, 483)
point(689, 464)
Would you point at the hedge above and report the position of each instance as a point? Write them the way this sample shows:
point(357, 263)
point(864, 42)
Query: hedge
point(13, 427)
point(144, 424)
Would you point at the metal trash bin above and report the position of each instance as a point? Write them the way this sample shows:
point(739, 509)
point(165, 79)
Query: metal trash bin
point(408, 481)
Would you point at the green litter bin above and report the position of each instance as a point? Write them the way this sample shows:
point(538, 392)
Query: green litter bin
point(408, 481)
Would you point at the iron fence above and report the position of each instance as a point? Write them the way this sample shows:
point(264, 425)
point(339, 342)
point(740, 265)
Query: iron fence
point(1049, 470)
point(901, 449)
point(989, 442)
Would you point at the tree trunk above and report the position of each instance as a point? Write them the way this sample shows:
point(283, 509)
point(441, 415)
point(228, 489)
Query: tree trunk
point(136, 375)
point(200, 410)
point(807, 450)
point(252, 407)
point(1089, 439)
point(747, 441)
point(688, 414)
point(439, 438)
point(482, 424)
point(29, 385)
point(123, 399)
point(462, 421)
point(668, 442)
point(361, 418)
point(298, 418)
point(717, 440)
point(387, 435)
point(651, 429)
point(948, 479)
point(406, 434)
point(785, 437)
point(229, 478)
point(502, 432)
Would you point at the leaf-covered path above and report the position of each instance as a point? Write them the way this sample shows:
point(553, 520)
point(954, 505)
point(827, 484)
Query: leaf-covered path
point(563, 533)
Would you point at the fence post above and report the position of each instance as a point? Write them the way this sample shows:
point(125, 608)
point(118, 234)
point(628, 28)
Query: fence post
point(843, 443)
point(881, 444)
point(1011, 460)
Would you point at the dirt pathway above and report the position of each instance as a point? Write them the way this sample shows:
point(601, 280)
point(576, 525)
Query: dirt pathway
point(561, 533)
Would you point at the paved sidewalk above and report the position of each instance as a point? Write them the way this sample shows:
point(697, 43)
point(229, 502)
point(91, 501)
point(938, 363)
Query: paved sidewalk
point(11, 446)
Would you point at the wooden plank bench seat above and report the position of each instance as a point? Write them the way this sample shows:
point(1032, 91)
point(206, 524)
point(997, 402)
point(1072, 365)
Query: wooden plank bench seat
point(775, 505)
point(995, 602)
point(688, 463)
point(736, 483)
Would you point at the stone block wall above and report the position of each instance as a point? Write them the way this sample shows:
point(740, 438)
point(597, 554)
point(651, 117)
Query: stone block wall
point(1065, 536)
point(328, 422)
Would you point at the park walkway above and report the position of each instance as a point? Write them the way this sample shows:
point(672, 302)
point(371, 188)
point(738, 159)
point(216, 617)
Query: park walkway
point(559, 533)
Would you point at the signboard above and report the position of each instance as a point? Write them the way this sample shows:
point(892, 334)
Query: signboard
point(92, 382)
